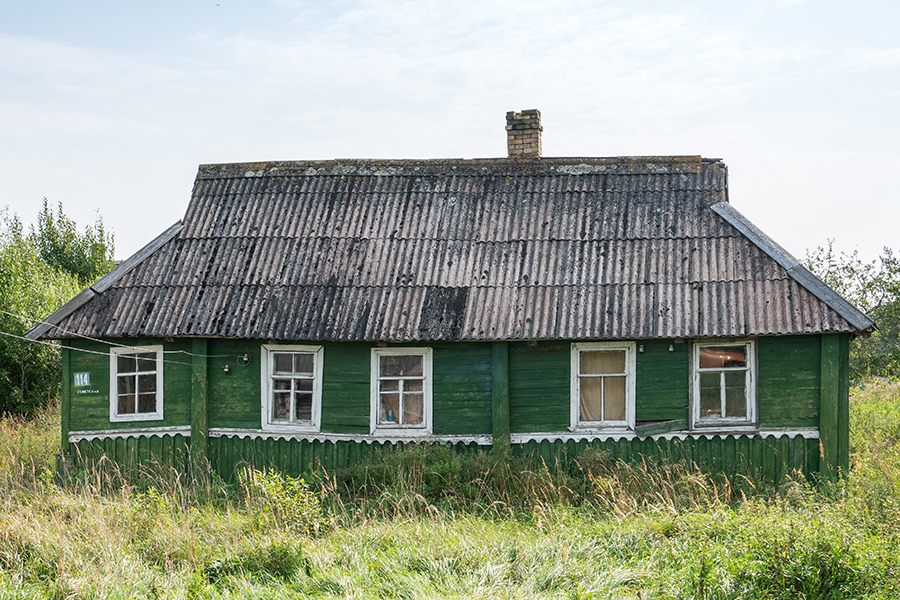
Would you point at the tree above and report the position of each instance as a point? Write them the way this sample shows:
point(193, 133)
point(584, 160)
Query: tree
point(87, 255)
point(37, 276)
point(875, 289)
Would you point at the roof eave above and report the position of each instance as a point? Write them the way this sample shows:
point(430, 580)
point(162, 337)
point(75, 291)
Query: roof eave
point(795, 269)
point(43, 329)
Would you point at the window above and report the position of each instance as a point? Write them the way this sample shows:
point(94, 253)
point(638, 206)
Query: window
point(136, 384)
point(291, 387)
point(724, 380)
point(401, 391)
point(602, 385)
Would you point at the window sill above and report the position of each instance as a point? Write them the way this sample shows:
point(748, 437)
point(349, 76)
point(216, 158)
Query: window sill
point(404, 432)
point(290, 428)
point(135, 418)
point(594, 428)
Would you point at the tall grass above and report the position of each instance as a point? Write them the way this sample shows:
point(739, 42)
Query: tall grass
point(430, 523)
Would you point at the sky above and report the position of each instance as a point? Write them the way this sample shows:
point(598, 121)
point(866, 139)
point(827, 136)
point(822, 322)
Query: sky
point(109, 107)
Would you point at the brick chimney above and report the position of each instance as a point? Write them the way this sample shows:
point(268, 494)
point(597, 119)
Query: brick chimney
point(523, 134)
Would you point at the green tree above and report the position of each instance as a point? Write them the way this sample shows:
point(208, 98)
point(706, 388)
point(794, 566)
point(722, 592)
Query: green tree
point(88, 255)
point(36, 278)
point(874, 287)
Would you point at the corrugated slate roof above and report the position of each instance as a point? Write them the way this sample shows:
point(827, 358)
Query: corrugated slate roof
point(463, 250)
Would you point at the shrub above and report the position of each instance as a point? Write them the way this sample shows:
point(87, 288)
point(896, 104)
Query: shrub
point(281, 501)
point(278, 560)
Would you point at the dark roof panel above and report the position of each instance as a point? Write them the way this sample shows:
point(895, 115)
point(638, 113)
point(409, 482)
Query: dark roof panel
point(460, 249)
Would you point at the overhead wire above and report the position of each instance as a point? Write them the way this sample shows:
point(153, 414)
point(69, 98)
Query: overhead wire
point(56, 345)
point(112, 344)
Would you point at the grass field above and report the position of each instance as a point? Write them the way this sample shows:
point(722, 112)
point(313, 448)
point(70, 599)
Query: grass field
point(430, 524)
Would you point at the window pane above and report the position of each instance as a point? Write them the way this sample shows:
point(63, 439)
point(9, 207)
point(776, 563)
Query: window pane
point(281, 407)
point(723, 357)
point(591, 409)
point(390, 366)
point(303, 406)
point(303, 364)
point(146, 361)
point(303, 385)
point(412, 385)
point(147, 403)
point(125, 363)
point(735, 394)
point(126, 384)
point(391, 385)
point(401, 366)
point(603, 362)
point(281, 384)
point(126, 404)
point(614, 398)
point(283, 363)
point(390, 409)
point(147, 383)
point(710, 395)
point(412, 366)
point(413, 413)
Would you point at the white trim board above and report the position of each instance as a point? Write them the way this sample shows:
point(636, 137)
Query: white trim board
point(97, 434)
point(579, 436)
point(481, 440)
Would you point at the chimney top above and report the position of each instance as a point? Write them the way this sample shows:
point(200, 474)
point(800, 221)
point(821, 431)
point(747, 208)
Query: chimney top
point(523, 134)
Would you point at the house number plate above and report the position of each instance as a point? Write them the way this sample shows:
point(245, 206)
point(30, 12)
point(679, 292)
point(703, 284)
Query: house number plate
point(82, 379)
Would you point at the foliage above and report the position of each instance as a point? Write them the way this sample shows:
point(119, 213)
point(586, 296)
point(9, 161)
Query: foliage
point(649, 532)
point(36, 278)
point(874, 288)
point(277, 560)
point(32, 289)
point(281, 501)
point(87, 255)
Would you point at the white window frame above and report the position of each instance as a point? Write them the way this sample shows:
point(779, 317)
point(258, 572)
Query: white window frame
point(114, 415)
point(267, 369)
point(411, 431)
point(750, 386)
point(576, 424)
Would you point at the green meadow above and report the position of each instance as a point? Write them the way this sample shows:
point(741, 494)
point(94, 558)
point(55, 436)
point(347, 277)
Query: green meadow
point(429, 523)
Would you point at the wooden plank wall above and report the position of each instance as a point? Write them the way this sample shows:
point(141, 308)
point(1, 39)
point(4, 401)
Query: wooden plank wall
point(769, 458)
point(133, 457)
point(89, 407)
point(790, 372)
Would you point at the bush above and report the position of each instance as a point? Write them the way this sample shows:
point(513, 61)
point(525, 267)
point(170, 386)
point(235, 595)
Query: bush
point(279, 560)
point(280, 501)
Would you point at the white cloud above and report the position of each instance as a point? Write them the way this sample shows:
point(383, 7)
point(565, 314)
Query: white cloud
point(872, 58)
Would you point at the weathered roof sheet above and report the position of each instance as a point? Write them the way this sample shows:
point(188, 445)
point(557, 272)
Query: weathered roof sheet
point(462, 249)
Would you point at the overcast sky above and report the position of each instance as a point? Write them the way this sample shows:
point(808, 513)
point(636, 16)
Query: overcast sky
point(111, 106)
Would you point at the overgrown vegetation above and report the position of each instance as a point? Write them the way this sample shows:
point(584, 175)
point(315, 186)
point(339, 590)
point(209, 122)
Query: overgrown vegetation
point(430, 523)
point(39, 270)
point(874, 288)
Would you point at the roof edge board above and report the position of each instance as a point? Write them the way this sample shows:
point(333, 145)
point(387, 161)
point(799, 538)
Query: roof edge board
point(795, 269)
point(104, 283)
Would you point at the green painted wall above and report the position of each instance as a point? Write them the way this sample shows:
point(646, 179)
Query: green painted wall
point(789, 380)
point(790, 372)
point(89, 405)
point(539, 386)
point(234, 399)
point(461, 387)
point(789, 385)
point(662, 381)
point(769, 457)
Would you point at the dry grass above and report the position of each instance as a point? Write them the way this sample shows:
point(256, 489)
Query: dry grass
point(495, 529)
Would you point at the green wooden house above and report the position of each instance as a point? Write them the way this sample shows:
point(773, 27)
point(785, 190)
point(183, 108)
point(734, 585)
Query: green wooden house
point(315, 310)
